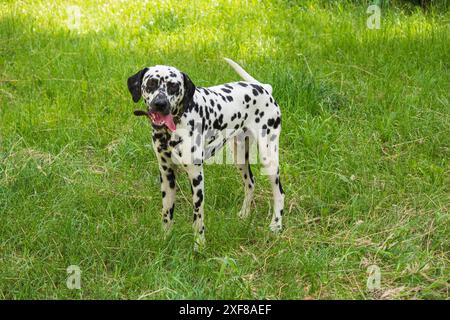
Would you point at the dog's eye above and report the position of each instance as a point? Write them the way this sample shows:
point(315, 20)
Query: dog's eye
point(172, 88)
point(152, 85)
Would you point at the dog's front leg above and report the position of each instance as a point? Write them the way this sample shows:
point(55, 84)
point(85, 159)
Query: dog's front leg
point(195, 173)
point(167, 177)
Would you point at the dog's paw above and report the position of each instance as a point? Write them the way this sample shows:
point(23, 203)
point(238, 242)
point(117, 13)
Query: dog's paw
point(167, 229)
point(244, 213)
point(275, 226)
point(199, 243)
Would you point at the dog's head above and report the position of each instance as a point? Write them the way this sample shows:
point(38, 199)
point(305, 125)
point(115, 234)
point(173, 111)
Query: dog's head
point(165, 90)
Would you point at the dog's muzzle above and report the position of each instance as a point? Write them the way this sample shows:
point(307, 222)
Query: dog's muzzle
point(160, 104)
point(159, 113)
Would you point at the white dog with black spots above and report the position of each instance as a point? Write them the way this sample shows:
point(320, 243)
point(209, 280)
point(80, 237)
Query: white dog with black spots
point(190, 124)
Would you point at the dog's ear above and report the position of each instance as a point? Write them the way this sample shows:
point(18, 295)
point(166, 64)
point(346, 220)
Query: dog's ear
point(134, 84)
point(189, 89)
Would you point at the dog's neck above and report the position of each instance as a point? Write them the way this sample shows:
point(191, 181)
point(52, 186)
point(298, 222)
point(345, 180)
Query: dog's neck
point(182, 108)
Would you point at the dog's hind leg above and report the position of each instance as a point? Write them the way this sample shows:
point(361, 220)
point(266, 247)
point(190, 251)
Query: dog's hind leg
point(241, 152)
point(268, 152)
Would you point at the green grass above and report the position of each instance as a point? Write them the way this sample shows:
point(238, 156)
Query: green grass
point(364, 152)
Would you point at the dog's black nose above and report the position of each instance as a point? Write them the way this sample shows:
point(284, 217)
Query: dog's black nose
point(160, 103)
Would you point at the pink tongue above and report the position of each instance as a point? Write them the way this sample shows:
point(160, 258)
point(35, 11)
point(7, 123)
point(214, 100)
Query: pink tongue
point(168, 120)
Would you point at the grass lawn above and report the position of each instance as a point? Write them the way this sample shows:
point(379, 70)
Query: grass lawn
point(364, 151)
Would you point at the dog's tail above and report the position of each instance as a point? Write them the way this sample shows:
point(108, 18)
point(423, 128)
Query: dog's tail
point(244, 75)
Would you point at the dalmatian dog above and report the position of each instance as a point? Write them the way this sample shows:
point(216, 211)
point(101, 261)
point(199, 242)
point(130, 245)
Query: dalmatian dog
point(190, 124)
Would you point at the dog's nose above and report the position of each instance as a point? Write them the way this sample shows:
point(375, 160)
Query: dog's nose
point(160, 103)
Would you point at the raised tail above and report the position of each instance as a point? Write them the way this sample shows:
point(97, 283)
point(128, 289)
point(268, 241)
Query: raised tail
point(244, 75)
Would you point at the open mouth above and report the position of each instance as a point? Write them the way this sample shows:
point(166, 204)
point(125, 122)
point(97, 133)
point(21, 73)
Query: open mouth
point(158, 119)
